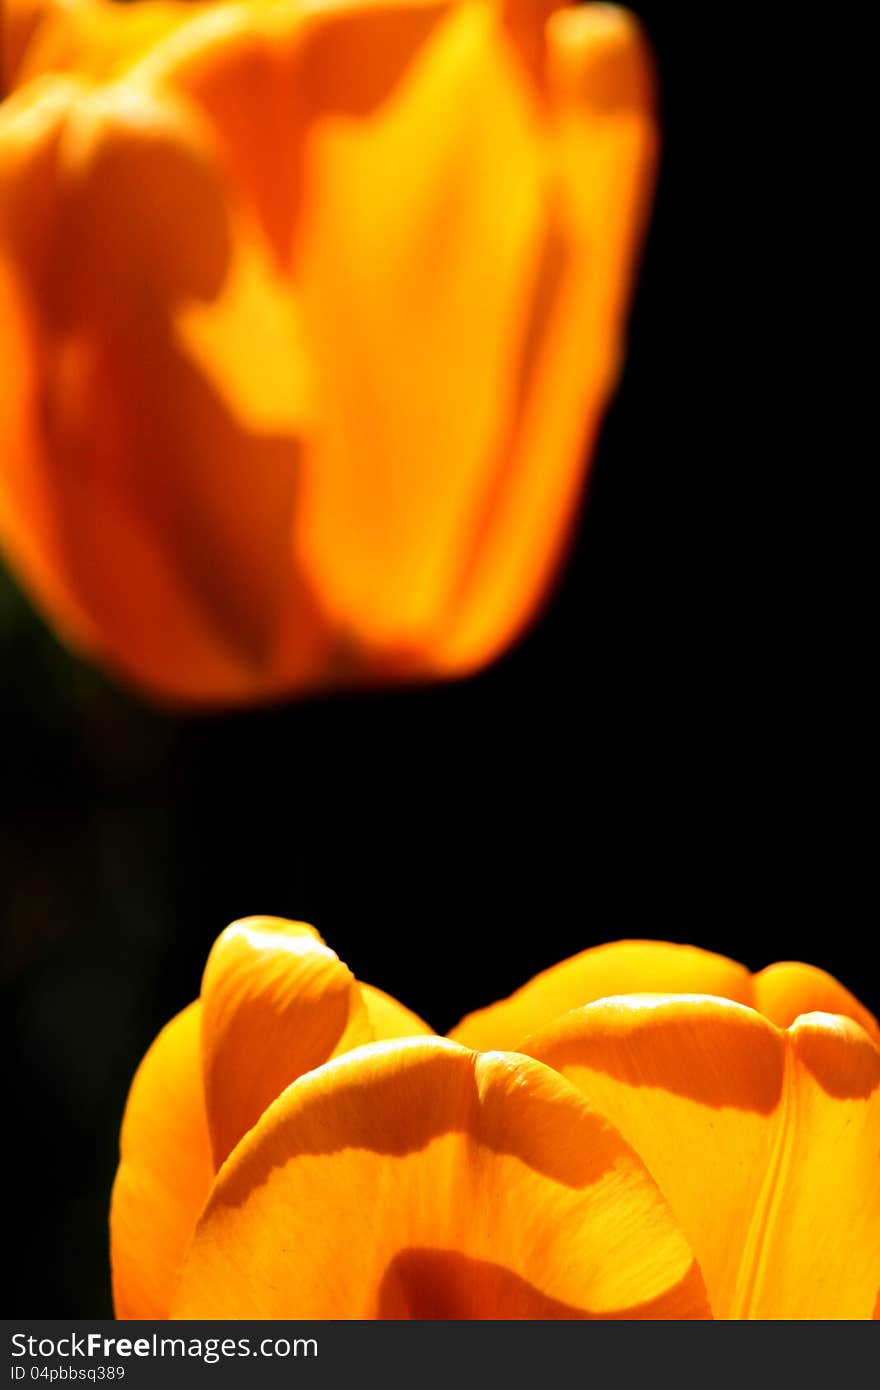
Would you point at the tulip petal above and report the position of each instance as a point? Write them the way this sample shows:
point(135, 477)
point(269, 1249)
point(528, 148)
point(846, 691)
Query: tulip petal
point(414, 292)
point(621, 967)
point(601, 152)
point(222, 512)
point(204, 540)
point(416, 1179)
point(165, 1171)
point(823, 1256)
point(788, 989)
point(388, 1017)
point(276, 1002)
point(763, 1142)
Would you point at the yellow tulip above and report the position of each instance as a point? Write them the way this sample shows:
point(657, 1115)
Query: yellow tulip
point(296, 1144)
point(412, 1178)
point(317, 307)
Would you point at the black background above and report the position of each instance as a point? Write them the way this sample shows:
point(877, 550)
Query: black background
point(677, 749)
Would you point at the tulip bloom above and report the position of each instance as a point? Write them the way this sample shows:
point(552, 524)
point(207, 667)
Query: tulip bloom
point(646, 1156)
point(411, 1178)
point(315, 310)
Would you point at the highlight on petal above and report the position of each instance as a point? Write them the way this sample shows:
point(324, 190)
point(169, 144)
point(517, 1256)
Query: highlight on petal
point(276, 1002)
point(165, 1171)
point(620, 967)
point(764, 1142)
point(416, 1179)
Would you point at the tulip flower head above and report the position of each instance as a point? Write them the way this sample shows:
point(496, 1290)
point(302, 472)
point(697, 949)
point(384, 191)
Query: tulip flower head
point(313, 311)
point(298, 1145)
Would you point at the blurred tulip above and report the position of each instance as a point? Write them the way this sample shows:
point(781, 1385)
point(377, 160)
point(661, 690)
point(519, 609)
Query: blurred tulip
point(314, 311)
point(663, 1155)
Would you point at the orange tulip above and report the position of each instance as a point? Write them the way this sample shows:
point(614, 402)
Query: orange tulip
point(317, 307)
point(645, 1156)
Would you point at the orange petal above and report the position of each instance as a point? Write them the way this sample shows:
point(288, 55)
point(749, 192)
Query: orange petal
point(600, 153)
point(784, 991)
point(164, 257)
point(276, 1002)
point(764, 1143)
point(621, 967)
point(388, 1018)
point(165, 1171)
point(414, 292)
point(418, 1180)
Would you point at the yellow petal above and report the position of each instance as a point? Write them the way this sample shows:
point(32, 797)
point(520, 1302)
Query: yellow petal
point(764, 1143)
point(784, 991)
point(621, 967)
point(418, 1180)
point(276, 1002)
point(165, 1171)
point(821, 1257)
point(388, 1018)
